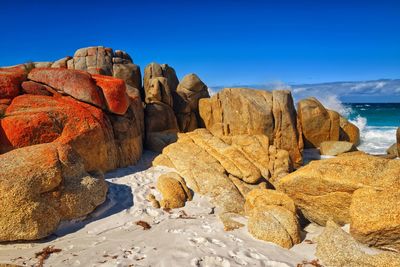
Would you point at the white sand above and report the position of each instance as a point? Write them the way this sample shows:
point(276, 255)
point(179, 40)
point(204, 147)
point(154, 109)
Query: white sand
point(110, 237)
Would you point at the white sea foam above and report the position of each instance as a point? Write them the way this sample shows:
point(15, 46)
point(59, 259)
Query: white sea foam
point(376, 140)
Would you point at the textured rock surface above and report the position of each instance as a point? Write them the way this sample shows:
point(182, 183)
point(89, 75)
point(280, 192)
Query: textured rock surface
point(337, 248)
point(61, 63)
point(202, 173)
point(34, 88)
point(274, 224)
point(375, 217)
point(40, 186)
point(161, 126)
point(186, 102)
point(174, 190)
point(77, 84)
point(334, 148)
point(317, 123)
point(287, 133)
point(392, 150)
point(241, 111)
point(348, 132)
point(34, 120)
point(158, 90)
point(114, 91)
point(10, 81)
point(261, 198)
point(323, 189)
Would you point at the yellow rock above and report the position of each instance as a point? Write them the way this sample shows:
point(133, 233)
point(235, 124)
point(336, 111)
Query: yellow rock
point(174, 191)
point(375, 217)
point(259, 198)
point(275, 224)
point(323, 189)
point(335, 247)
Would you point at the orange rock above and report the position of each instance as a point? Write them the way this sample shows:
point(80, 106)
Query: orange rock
point(10, 81)
point(78, 84)
point(34, 88)
point(32, 119)
point(114, 91)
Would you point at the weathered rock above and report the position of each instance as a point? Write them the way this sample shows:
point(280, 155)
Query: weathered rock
point(274, 224)
point(32, 119)
point(77, 84)
point(186, 101)
point(40, 186)
point(323, 189)
point(398, 140)
point(334, 148)
point(375, 217)
point(337, 248)
point(158, 90)
point(95, 60)
point(43, 64)
point(349, 132)
point(11, 80)
point(262, 198)
point(61, 63)
point(241, 111)
point(161, 126)
point(114, 91)
point(238, 111)
point(174, 190)
point(392, 150)
point(202, 173)
point(153, 70)
point(34, 88)
point(318, 124)
point(170, 74)
point(286, 130)
point(231, 158)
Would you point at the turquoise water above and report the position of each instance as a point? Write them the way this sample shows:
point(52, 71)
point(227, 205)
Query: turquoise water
point(377, 122)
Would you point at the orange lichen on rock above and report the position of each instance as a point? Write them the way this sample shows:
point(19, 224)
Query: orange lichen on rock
point(114, 91)
point(10, 81)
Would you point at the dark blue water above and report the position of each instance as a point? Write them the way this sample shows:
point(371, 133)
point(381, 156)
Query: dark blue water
point(377, 114)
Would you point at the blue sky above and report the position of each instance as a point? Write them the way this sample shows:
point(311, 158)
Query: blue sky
point(224, 42)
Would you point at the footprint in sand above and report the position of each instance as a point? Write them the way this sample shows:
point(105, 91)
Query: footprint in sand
point(210, 261)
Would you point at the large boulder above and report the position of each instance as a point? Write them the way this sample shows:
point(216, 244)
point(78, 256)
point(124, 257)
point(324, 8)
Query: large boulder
point(323, 189)
point(317, 123)
point(161, 126)
point(99, 140)
point(241, 111)
point(42, 185)
point(186, 101)
point(334, 148)
point(104, 61)
point(335, 247)
point(114, 91)
point(349, 132)
point(287, 133)
point(34, 88)
point(95, 60)
point(155, 70)
point(174, 191)
point(158, 90)
point(77, 84)
point(202, 173)
point(375, 217)
point(11, 80)
point(392, 150)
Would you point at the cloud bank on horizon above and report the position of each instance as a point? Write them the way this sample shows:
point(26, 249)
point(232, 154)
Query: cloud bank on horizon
point(383, 91)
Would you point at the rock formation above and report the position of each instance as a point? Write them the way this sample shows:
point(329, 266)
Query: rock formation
point(320, 124)
point(240, 111)
point(337, 248)
point(375, 217)
point(186, 102)
point(334, 148)
point(323, 189)
point(174, 190)
point(272, 217)
point(398, 140)
point(41, 185)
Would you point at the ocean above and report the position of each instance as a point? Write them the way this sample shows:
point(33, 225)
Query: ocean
point(377, 122)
